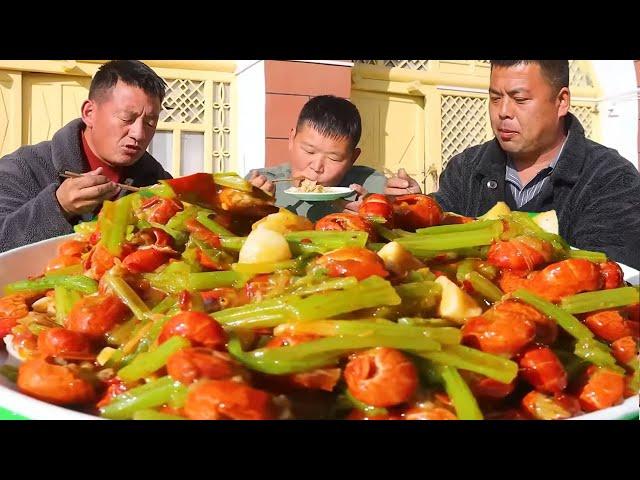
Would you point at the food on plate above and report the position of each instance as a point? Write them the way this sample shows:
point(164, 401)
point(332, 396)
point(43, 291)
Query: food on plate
point(197, 299)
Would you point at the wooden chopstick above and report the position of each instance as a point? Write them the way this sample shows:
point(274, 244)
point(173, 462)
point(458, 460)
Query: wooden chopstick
point(291, 179)
point(68, 174)
point(284, 180)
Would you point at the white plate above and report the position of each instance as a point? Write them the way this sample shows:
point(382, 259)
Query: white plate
point(18, 264)
point(21, 262)
point(330, 193)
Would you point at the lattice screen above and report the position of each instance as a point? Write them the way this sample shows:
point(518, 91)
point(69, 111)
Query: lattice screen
point(410, 64)
point(221, 124)
point(464, 123)
point(183, 102)
point(577, 76)
point(585, 114)
point(188, 108)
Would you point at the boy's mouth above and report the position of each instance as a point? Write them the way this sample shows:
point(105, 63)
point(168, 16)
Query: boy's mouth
point(311, 176)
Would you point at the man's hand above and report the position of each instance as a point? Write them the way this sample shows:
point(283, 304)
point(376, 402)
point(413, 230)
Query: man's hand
point(354, 205)
point(401, 184)
point(261, 182)
point(84, 194)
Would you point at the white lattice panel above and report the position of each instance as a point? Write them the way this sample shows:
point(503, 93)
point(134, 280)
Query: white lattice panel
point(221, 124)
point(202, 107)
point(577, 76)
point(585, 114)
point(464, 123)
point(409, 64)
point(184, 102)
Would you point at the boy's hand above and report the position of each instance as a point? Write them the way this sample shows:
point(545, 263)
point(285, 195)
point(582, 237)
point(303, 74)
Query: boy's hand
point(354, 205)
point(401, 184)
point(261, 182)
point(84, 194)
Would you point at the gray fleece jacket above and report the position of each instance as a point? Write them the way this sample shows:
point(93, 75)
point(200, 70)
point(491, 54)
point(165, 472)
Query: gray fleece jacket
point(29, 178)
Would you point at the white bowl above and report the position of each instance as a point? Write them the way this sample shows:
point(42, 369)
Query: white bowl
point(21, 262)
point(329, 194)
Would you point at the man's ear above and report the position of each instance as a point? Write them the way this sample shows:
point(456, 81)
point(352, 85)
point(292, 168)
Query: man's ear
point(88, 111)
point(356, 154)
point(292, 135)
point(564, 101)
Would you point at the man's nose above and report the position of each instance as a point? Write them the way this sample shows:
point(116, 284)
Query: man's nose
point(136, 130)
point(317, 164)
point(506, 108)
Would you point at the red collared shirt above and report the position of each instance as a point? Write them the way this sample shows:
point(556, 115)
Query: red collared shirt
point(113, 174)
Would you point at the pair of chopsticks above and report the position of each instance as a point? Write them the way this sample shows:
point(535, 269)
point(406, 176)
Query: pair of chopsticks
point(68, 174)
point(292, 179)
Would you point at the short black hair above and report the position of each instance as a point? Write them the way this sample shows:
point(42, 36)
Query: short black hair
point(555, 71)
point(131, 72)
point(333, 117)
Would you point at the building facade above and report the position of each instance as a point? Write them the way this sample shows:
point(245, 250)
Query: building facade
point(237, 115)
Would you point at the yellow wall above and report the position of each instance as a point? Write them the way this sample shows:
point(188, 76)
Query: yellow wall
point(392, 131)
point(10, 111)
point(419, 113)
point(49, 102)
point(37, 97)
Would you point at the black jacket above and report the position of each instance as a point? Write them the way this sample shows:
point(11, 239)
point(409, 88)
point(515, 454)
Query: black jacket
point(594, 190)
point(29, 178)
